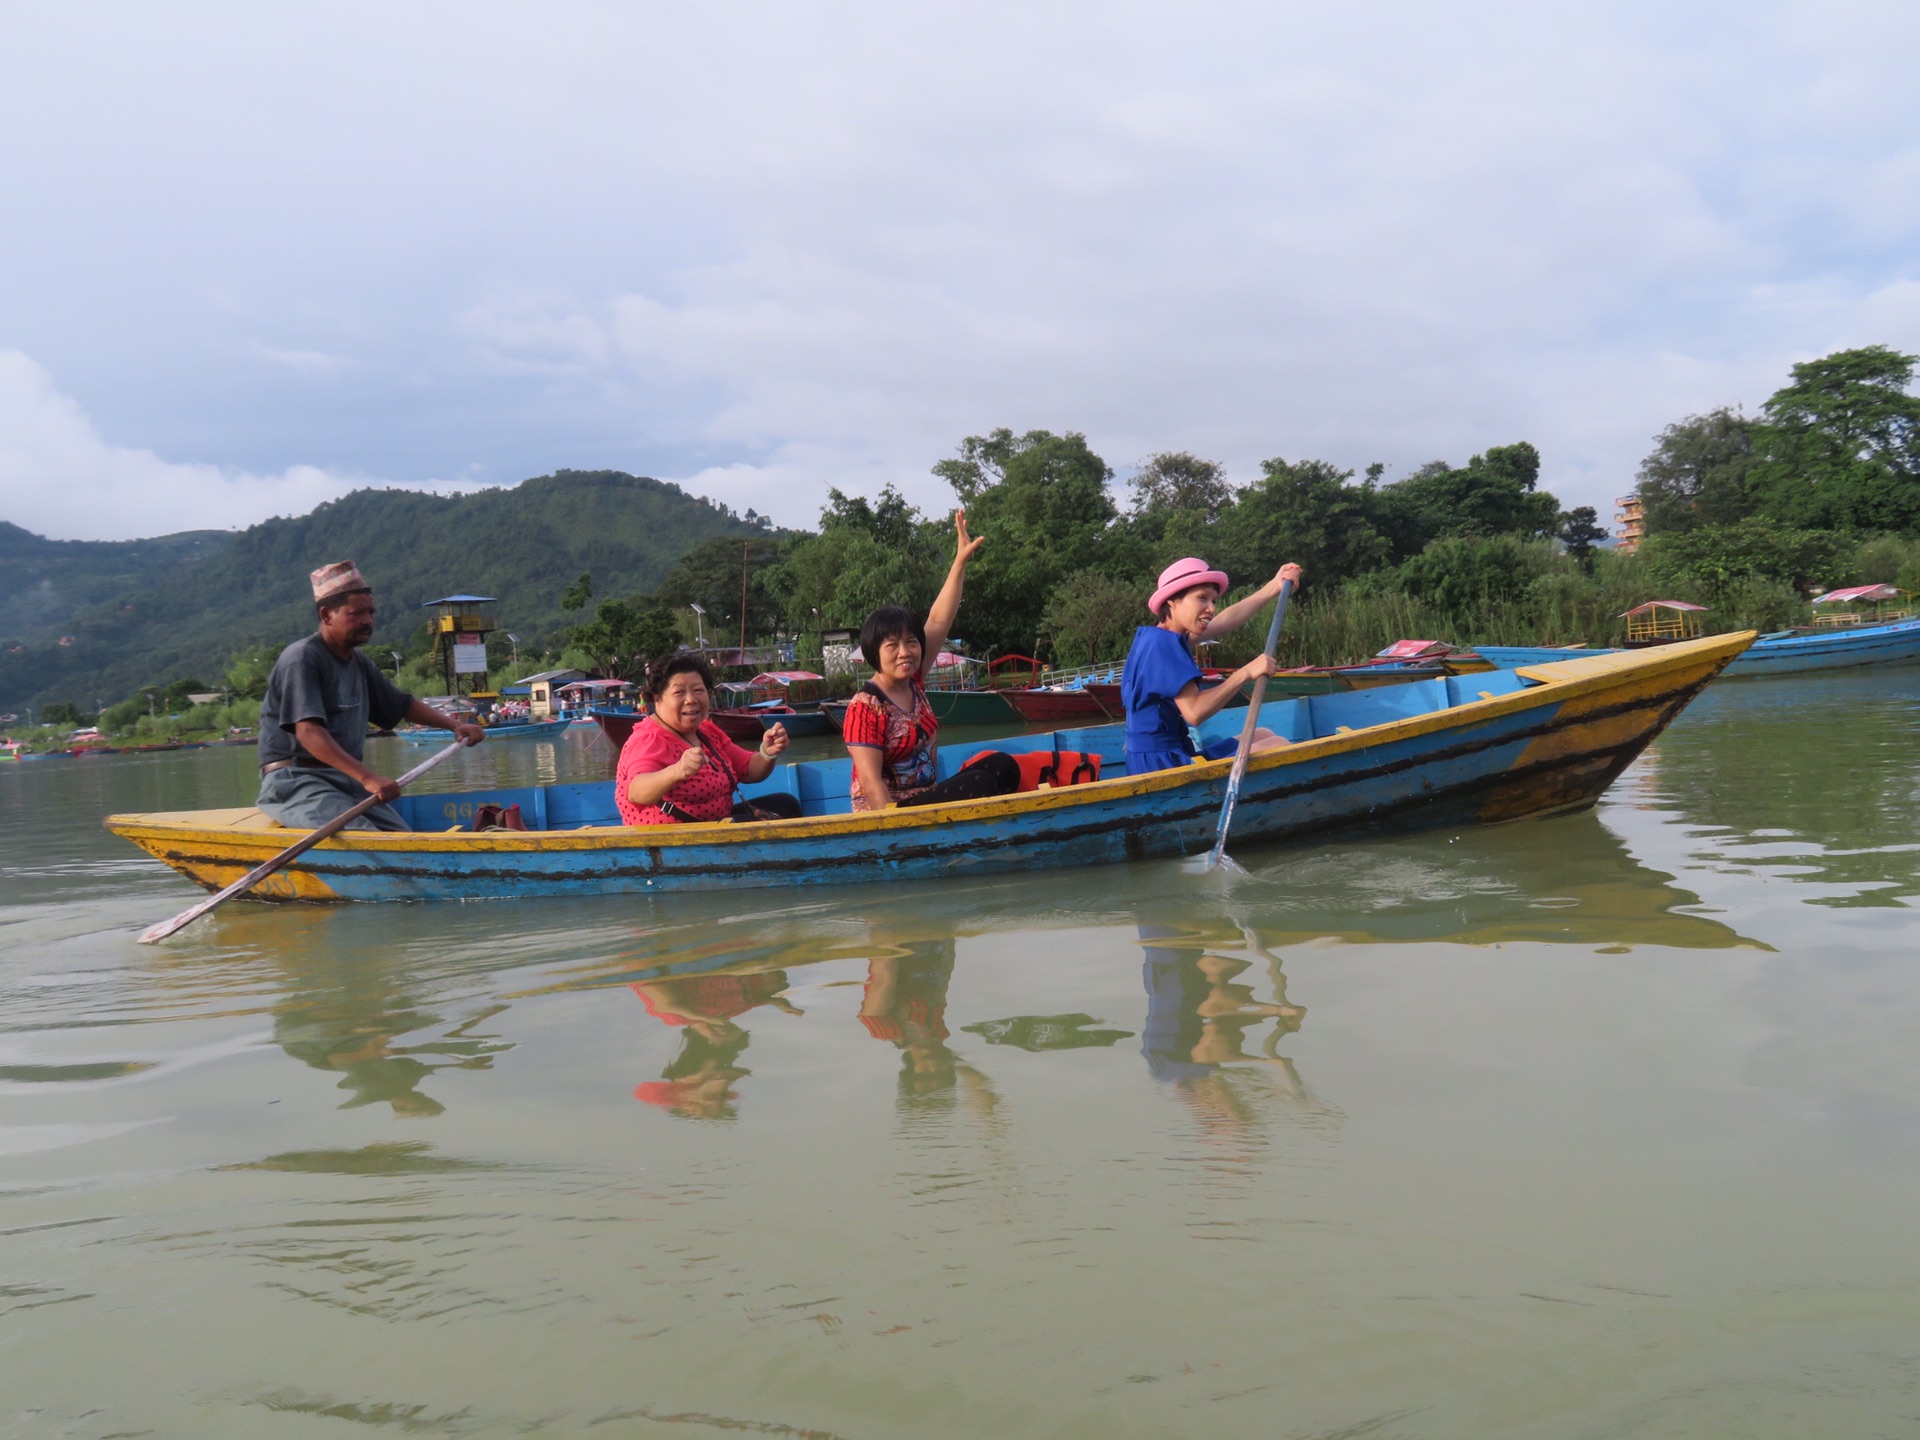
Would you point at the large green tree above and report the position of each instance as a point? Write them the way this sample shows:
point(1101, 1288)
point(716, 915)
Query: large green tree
point(711, 574)
point(1040, 501)
point(1307, 511)
point(1700, 472)
point(624, 635)
point(1841, 444)
point(1492, 494)
point(866, 554)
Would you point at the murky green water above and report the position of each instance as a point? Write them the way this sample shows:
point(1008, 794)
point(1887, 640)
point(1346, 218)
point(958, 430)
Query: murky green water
point(1598, 1126)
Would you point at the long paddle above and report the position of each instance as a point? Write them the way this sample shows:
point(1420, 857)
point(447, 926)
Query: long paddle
point(1246, 731)
point(299, 847)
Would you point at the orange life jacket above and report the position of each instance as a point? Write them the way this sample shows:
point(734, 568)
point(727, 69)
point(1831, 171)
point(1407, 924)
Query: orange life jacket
point(1050, 767)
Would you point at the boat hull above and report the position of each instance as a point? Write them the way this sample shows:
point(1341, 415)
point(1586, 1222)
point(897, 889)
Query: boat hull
point(1552, 742)
point(1053, 707)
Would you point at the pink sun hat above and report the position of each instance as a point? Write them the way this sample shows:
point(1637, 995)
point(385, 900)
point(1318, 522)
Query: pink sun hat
point(1184, 575)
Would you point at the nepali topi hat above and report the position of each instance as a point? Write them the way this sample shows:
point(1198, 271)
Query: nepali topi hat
point(1184, 575)
point(337, 579)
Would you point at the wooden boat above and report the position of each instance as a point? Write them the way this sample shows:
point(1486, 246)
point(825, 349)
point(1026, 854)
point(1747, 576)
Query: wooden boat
point(1497, 746)
point(531, 730)
point(1784, 652)
point(745, 727)
point(1054, 705)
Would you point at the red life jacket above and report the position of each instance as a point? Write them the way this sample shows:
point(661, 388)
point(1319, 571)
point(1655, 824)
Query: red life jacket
point(1050, 767)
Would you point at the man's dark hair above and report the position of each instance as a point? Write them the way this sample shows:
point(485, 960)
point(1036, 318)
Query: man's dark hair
point(667, 666)
point(890, 622)
point(334, 602)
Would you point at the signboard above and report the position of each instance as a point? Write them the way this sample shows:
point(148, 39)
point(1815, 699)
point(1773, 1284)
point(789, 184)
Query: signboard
point(470, 659)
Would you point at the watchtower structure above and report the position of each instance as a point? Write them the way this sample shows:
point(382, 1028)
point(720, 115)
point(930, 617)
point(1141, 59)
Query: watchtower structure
point(460, 625)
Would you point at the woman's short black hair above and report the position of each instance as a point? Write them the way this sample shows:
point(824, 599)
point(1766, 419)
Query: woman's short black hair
point(890, 622)
point(683, 662)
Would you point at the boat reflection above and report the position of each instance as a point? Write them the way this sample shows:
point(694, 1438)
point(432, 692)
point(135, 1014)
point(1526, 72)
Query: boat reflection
point(1812, 780)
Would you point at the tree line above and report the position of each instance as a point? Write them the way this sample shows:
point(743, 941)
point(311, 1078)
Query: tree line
point(1747, 514)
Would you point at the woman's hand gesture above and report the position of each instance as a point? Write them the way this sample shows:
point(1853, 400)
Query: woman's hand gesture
point(774, 741)
point(689, 764)
point(965, 544)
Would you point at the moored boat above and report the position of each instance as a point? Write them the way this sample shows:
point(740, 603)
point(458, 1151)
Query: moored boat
point(531, 730)
point(1054, 705)
point(1495, 746)
point(1784, 652)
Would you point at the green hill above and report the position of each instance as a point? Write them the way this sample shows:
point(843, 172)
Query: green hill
point(46, 585)
point(183, 605)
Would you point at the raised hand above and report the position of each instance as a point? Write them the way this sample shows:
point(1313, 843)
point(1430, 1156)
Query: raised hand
point(966, 544)
point(689, 764)
point(774, 741)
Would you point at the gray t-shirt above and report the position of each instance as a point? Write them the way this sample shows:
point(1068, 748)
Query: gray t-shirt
point(309, 682)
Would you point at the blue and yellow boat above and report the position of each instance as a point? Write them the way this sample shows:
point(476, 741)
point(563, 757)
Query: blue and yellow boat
point(1494, 746)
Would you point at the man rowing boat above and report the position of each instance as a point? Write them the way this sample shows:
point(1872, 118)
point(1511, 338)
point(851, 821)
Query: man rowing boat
point(321, 697)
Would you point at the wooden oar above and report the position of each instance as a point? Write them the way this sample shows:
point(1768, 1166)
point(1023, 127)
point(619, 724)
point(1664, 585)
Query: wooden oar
point(1246, 731)
point(299, 847)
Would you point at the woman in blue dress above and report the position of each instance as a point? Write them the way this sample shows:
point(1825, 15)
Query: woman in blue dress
point(1161, 684)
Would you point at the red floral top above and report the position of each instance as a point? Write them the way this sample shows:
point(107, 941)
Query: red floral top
point(908, 741)
point(652, 747)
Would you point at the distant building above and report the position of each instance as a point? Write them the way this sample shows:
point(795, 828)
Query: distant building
point(1630, 524)
point(538, 690)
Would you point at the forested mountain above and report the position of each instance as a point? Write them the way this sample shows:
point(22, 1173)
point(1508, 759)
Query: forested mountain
point(45, 585)
point(185, 604)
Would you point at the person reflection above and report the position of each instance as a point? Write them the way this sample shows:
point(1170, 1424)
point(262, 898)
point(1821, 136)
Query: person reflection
point(698, 1082)
point(905, 1003)
point(1198, 1018)
point(355, 1029)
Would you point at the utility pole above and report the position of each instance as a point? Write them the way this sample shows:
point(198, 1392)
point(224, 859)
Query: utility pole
point(743, 600)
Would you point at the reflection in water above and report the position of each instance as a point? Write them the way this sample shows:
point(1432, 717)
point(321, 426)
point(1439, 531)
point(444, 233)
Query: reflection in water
point(353, 1028)
point(354, 1000)
point(904, 1002)
point(1200, 1019)
point(697, 1083)
point(1816, 780)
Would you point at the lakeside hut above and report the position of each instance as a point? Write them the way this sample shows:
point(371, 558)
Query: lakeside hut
point(1661, 622)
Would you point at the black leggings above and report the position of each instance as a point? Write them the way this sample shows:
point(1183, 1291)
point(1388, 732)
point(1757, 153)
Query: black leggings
point(777, 806)
point(992, 774)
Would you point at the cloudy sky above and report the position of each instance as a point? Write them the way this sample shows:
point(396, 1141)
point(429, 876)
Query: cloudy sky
point(257, 255)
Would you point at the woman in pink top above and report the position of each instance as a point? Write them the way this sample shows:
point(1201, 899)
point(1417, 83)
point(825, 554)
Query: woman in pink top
point(679, 767)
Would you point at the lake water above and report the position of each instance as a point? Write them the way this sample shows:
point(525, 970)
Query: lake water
point(1596, 1126)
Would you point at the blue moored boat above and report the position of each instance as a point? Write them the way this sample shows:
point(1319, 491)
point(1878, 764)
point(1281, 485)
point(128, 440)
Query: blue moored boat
point(532, 730)
point(1785, 652)
point(1497, 745)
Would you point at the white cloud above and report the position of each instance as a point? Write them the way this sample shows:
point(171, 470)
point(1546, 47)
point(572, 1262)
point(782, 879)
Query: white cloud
point(771, 250)
point(59, 478)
